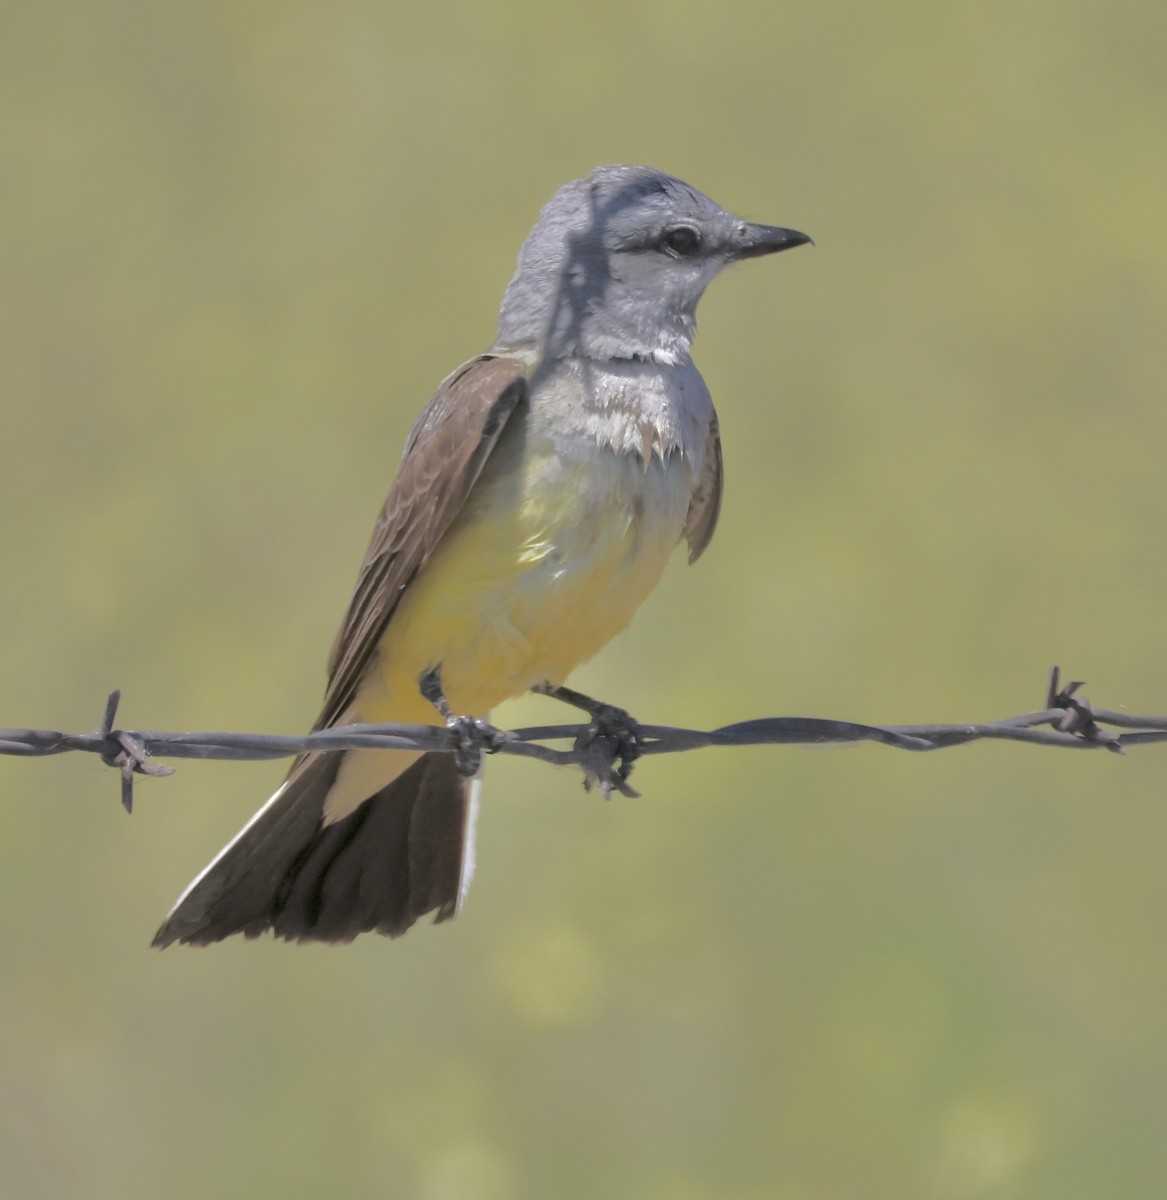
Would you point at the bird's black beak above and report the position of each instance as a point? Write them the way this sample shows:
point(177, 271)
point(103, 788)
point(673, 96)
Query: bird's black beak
point(752, 241)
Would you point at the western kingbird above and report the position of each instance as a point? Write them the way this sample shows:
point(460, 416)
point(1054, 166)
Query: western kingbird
point(540, 494)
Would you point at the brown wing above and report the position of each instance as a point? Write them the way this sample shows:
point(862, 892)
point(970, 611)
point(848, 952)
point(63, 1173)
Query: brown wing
point(444, 456)
point(706, 502)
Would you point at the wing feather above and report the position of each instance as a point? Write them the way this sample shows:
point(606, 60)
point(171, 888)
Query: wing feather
point(706, 502)
point(444, 455)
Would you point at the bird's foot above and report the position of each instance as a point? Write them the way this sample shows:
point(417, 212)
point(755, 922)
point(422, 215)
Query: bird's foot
point(473, 737)
point(608, 747)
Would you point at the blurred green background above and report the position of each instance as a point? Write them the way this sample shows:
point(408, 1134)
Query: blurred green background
point(239, 245)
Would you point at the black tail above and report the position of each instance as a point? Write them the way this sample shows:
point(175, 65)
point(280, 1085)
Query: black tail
point(394, 859)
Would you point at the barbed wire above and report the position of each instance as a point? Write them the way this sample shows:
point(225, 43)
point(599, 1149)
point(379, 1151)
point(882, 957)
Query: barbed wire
point(1076, 725)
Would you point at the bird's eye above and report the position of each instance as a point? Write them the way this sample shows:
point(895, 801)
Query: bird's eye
point(680, 241)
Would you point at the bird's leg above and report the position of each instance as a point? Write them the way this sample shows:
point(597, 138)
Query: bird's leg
point(474, 735)
point(612, 737)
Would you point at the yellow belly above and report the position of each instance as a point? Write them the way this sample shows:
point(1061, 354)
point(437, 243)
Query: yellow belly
point(547, 562)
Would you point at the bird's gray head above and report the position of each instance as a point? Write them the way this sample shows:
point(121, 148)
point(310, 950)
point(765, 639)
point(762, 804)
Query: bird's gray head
point(617, 262)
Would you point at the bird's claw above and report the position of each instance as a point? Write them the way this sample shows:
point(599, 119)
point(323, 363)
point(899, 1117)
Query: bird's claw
point(611, 738)
point(474, 737)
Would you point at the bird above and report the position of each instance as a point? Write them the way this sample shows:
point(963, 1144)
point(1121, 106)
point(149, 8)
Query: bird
point(540, 494)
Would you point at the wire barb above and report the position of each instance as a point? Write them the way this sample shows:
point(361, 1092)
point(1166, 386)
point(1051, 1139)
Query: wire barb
point(1078, 715)
point(126, 751)
point(1072, 721)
